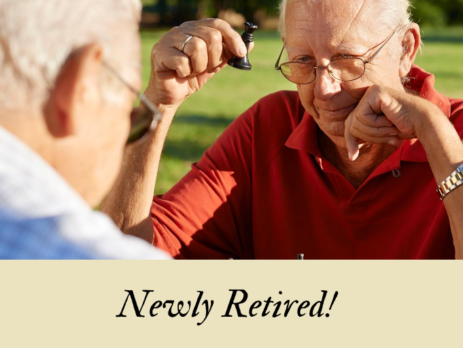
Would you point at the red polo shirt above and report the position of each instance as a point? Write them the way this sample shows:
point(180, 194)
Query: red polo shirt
point(264, 190)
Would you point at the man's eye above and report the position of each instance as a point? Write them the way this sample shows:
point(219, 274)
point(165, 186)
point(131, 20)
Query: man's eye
point(303, 59)
point(347, 56)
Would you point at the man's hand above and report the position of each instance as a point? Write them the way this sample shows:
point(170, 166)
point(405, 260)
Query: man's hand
point(175, 75)
point(385, 116)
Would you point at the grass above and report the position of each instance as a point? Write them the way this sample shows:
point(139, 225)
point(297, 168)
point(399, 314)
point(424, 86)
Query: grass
point(204, 116)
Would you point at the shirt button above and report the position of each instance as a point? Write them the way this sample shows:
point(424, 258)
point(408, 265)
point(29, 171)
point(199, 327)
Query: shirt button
point(396, 173)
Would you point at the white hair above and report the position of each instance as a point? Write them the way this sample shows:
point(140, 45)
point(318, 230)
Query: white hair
point(393, 13)
point(38, 36)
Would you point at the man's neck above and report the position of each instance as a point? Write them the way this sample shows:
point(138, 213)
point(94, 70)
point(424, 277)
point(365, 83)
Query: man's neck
point(30, 129)
point(370, 157)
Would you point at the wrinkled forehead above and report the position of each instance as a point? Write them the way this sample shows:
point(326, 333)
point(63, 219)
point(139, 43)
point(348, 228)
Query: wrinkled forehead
point(334, 21)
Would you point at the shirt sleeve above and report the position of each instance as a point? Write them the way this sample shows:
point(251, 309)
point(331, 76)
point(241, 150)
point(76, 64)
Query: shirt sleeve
point(207, 215)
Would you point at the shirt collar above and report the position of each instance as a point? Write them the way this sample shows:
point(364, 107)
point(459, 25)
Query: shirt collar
point(423, 83)
point(304, 136)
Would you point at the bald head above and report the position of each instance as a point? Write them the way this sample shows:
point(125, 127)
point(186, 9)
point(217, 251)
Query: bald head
point(383, 14)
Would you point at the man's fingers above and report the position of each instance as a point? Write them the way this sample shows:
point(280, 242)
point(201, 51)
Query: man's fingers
point(251, 46)
point(385, 135)
point(172, 59)
point(229, 35)
point(361, 130)
point(207, 44)
point(227, 54)
point(213, 45)
point(197, 51)
point(355, 130)
point(374, 120)
point(351, 142)
point(352, 146)
point(379, 118)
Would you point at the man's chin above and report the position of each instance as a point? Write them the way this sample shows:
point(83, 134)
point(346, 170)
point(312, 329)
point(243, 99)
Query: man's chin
point(334, 129)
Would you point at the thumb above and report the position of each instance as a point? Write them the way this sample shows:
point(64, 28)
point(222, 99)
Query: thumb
point(251, 46)
point(351, 141)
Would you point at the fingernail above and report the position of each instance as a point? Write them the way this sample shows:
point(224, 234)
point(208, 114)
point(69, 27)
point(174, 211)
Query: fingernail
point(391, 142)
point(353, 155)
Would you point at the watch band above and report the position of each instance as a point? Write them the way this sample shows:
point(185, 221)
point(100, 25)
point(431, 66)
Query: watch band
point(451, 183)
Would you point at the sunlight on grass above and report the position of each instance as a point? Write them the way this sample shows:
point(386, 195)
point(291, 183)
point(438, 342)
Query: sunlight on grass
point(444, 60)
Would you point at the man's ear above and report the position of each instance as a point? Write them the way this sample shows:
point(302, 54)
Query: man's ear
point(76, 90)
point(410, 47)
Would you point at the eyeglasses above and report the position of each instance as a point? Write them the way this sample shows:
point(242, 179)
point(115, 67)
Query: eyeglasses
point(143, 120)
point(343, 69)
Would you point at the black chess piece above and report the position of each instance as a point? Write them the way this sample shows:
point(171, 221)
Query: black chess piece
point(248, 37)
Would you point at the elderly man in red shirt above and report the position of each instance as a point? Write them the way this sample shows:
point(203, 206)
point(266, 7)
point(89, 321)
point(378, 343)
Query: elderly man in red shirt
point(346, 167)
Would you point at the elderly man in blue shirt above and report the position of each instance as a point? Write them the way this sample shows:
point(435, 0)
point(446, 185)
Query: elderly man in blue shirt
point(69, 72)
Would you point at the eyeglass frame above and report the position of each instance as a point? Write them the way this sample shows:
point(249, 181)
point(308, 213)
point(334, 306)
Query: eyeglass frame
point(154, 115)
point(365, 62)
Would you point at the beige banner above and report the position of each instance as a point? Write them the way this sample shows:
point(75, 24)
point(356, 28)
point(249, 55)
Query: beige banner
point(378, 304)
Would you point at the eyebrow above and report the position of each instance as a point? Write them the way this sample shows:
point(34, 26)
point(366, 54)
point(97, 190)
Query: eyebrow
point(291, 49)
point(351, 48)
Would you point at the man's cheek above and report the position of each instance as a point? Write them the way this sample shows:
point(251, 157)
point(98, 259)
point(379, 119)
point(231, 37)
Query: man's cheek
point(306, 96)
point(358, 90)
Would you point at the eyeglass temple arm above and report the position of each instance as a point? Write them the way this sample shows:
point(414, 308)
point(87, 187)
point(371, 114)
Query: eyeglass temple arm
point(150, 106)
point(384, 44)
point(279, 57)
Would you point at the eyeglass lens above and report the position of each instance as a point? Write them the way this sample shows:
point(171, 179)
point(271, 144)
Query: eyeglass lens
point(347, 69)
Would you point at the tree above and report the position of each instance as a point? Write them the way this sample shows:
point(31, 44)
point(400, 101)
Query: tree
point(444, 12)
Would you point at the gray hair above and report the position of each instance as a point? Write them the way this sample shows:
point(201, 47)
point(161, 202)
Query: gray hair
point(395, 13)
point(37, 37)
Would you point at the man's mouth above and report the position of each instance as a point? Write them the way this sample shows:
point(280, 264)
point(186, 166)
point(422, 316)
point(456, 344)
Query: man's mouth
point(337, 114)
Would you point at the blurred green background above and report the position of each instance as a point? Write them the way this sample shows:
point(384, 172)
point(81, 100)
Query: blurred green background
point(204, 116)
point(426, 12)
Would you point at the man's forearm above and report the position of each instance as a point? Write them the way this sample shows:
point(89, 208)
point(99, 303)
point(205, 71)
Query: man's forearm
point(445, 152)
point(175, 75)
point(129, 201)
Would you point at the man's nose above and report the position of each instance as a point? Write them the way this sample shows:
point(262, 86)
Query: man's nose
point(325, 85)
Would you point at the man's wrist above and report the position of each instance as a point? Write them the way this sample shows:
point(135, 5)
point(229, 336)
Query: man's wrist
point(428, 121)
point(167, 111)
point(164, 108)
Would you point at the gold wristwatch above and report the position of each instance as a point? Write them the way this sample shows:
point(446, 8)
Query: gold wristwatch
point(451, 183)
